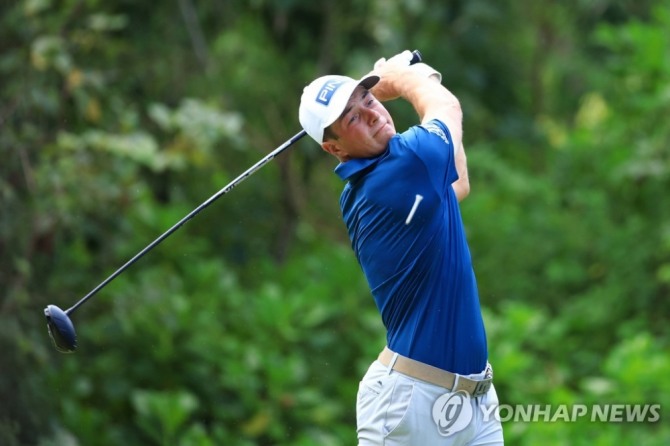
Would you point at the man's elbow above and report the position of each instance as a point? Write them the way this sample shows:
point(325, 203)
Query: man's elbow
point(462, 189)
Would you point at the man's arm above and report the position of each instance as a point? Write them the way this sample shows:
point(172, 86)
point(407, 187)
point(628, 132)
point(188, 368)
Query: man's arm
point(431, 100)
point(462, 184)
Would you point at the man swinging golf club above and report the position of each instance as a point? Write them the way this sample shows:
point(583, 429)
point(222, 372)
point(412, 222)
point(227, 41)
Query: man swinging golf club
point(400, 205)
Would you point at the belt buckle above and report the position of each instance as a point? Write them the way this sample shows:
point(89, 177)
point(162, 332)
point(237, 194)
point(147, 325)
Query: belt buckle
point(482, 387)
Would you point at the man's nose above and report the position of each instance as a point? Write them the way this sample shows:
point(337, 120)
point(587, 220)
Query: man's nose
point(372, 115)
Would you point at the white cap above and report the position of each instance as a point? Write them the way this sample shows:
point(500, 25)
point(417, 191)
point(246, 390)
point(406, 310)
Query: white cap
point(324, 100)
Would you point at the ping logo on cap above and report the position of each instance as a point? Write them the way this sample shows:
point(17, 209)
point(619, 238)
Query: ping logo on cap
point(326, 92)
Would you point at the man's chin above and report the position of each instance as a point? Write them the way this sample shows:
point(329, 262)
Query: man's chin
point(385, 133)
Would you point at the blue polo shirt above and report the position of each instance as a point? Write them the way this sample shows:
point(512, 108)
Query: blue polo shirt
point(405, 227)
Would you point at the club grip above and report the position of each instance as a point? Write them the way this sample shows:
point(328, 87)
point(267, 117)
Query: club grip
point(416, 57)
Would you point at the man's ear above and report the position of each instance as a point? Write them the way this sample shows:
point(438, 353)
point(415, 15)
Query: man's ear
point(333, 148)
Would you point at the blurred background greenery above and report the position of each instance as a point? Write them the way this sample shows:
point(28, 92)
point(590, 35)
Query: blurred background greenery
point(252, 325)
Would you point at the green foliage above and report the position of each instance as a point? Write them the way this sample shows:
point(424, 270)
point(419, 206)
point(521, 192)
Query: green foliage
point(162, 414)
point(253, 325)
point(249, 357)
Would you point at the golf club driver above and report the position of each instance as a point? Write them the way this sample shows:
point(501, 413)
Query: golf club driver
point(61, 329)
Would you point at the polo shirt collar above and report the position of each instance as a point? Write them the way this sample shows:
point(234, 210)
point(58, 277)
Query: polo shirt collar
point(355, 166)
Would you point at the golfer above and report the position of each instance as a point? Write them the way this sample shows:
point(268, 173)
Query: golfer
point(432, 383)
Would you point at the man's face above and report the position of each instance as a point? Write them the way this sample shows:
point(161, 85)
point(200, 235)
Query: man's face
point(363, 130)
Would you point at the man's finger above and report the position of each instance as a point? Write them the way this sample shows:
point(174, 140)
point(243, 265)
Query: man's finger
point(379, 63)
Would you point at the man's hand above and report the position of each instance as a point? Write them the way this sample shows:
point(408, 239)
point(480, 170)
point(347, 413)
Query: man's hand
point(398, 67)
point(402, 59)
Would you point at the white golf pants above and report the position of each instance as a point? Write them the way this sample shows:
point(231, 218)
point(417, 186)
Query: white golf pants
point(393, 409)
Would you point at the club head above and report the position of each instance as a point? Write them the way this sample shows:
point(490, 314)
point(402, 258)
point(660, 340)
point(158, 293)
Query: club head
point(61, 329)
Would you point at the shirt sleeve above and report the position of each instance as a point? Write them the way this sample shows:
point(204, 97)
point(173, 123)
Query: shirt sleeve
point(432, 143)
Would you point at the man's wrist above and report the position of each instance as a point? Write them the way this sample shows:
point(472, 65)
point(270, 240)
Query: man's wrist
point(427, 71)
point(397, 82)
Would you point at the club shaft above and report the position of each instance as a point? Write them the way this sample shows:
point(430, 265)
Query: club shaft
point(416, 57)
point(269, 157)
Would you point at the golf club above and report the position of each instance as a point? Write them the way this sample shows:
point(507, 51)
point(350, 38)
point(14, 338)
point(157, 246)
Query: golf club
point(61, 329)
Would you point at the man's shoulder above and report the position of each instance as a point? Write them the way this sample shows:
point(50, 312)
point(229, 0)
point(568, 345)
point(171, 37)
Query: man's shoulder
point(423, 134)
point(437, 127)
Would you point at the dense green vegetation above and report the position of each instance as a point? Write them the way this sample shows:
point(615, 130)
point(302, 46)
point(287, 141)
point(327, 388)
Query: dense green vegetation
point(253, 323)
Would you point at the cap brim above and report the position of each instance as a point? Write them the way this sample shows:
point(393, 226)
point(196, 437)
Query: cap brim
point(369, 81)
